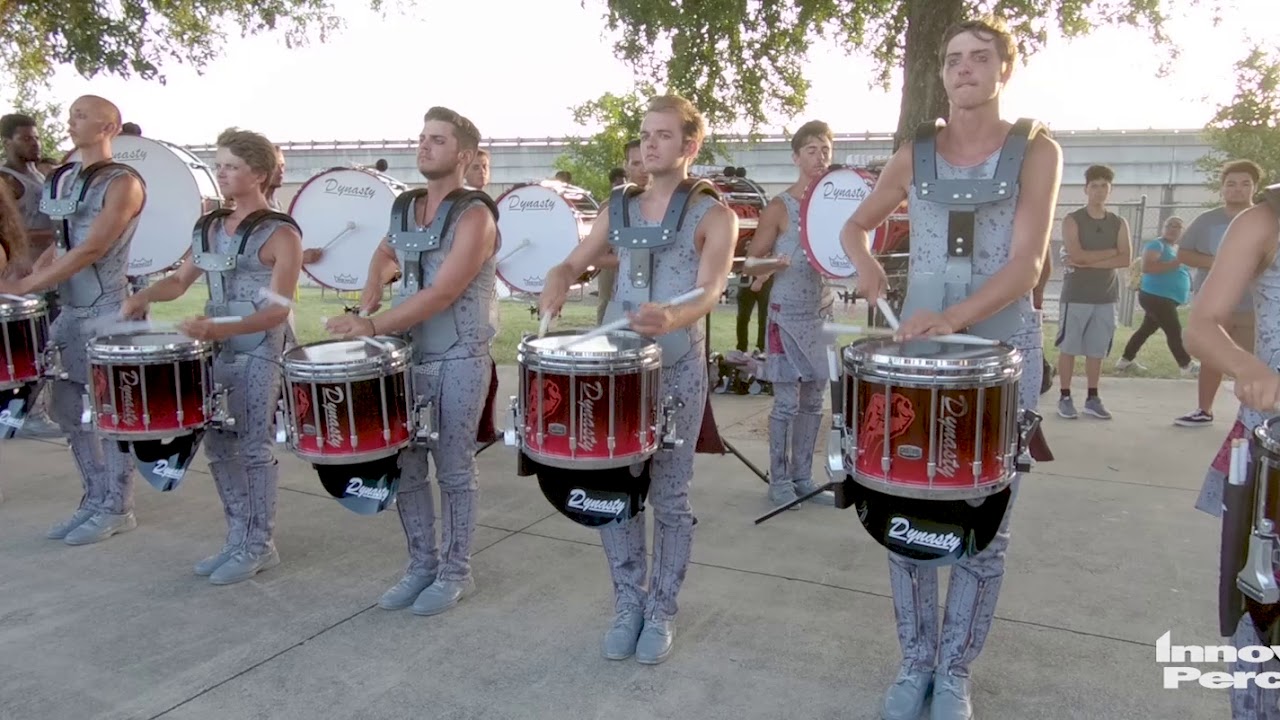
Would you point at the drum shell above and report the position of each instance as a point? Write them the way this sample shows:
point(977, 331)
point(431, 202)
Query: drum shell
point(587, 410)
point(24, 333)
point(150, 391)
point(348, 412)
point(930, 428)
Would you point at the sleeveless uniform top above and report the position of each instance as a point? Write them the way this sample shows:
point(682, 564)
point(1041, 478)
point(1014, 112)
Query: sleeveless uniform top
point(29, 204)
point(798, 290)
point(106, 281)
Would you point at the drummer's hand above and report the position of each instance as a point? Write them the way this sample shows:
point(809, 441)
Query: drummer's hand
point(347, 326)
point(12, 287)
point(873, 284)
point(922, 324)
point(783, 261)
point(134, 308)
point(312, 255)
point(370, 299)
point(202, 328)
point(554, 292)
point(652, 320)
point(1259, 388)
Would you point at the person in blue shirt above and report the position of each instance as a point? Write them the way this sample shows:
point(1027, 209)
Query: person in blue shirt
point(1166, 285)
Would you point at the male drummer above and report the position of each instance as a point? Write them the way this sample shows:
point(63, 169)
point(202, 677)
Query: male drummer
point(1246, 260)
point(608, 263)
point(92, 281)
point(478, 171)
point(796, 362)
point(977, 61)
point(276, 181)
point(701, 256)
point(448, 323)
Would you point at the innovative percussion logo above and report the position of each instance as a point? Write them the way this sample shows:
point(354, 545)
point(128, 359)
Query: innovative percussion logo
point(1178, 660)
point(333, 187)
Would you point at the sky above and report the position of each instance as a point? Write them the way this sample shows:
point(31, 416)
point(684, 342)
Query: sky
point(516, 67)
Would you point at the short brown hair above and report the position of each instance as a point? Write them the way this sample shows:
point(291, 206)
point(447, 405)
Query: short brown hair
point(692, 126)
point(1247, 167)
point(1099, 172)
point(253, 148)
point(812, 130)
point(463, 129)
point(482, 153)
point(990, 29)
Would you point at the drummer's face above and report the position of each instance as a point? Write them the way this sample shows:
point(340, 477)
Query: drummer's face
point(663, 147)
point(813, 158)
point(478, 172)
point(277, 178)
point(87, 123)
point(438, 154)
point(235, 177)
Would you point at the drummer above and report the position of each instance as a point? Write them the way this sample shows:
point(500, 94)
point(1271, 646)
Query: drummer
point(977, 59)
point(800, 301)
point(701, 256)
point(91, 276)
point(448, 322)
point(1247, 259)
point(13, 243)
point(241, 461)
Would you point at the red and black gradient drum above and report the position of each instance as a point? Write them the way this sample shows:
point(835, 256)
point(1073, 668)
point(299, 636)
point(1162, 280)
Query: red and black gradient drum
point(348, 401)
point(150, 385)
point(929, 420)
point(24, 329)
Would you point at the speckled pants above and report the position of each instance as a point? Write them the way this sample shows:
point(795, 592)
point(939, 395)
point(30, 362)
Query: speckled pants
point(241, 460)
point(671, 472)
point(106, 472)
point(793, 430)
point(1253, 702)
point(457, 389)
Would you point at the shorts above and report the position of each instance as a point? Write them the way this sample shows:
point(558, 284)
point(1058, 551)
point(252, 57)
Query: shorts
point(1086, 329)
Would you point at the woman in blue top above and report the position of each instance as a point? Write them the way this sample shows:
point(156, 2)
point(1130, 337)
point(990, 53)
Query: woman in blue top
point(1166, 285)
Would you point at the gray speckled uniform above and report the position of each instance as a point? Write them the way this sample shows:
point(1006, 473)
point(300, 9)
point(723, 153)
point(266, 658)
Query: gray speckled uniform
point(684, 376)
point(29, 204)
point(796, 364)
point(455, 378)
point(241, 460)
point(94, 292)
point(975, 581)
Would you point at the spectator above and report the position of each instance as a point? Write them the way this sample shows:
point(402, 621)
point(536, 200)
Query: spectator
point(1166, 285)
point(130, 128)
point(565, 177)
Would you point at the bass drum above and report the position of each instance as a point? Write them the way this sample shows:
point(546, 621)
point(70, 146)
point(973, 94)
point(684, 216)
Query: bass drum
point(345, 212)
point(828, 203)
point(180, 189)
point(539, 224)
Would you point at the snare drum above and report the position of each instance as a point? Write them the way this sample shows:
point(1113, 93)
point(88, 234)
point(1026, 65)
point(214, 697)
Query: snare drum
point(591, 406)
point(348, 401)
point(1259, 578)
point(931, 420)
point(24, 328)
point(150, 386)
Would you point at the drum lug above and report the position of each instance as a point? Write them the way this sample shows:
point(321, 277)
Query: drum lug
point(669, 439)
point(281, 434)
point(87, 413)
point(1028, 421)
point(1258, 578)
point(512, 434)
point(835, 447)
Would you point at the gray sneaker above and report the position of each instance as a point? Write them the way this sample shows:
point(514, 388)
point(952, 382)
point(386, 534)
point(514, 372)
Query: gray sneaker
point(100, 527)
point(621, 638)
point(404, 593)
point(1093, 406)
point(60, 531)
point(1067, 409)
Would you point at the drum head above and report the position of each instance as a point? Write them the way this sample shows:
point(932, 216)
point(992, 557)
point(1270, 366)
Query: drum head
point(930, 532)
point(178, 186)
point(539, 229)
point(828, 203)
point(346, 212)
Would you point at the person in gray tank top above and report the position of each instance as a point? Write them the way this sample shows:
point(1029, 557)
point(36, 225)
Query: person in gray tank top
point(95, 205)
point(699, 255)
point(240, 252)
point(987, 292)
point(1095, 244)
point(447, 264)
point(799, 303)
point(1248, 267)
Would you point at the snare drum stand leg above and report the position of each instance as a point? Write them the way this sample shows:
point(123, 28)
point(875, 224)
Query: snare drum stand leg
point(764, 476)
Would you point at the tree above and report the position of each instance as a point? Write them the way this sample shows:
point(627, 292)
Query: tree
point(1248, 128)
point(742, 59)
point(135, 37)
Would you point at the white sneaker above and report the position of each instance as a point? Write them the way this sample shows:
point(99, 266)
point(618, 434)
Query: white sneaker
point(1122, 365)
point(1191, 370)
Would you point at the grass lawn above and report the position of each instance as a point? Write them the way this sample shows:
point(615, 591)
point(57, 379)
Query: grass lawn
point(313, 307)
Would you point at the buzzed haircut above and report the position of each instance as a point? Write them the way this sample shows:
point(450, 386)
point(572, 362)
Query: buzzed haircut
point(463, 129)
point(12, 123)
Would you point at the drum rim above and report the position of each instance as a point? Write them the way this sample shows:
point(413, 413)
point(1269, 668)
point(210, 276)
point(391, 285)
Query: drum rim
point(1263, 436)
point(860, 362)
point(397, 360)
point(29, 307)
point(526, 347)
point(805, 201)
point(186, 349)
point(397, 188)
point(580, 220)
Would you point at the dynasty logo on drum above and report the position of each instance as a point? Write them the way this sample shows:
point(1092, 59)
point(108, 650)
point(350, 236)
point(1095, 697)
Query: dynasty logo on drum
point(599, 504)
point(591, 392)
point(333, 187)
point(129, 380)
point(952, 410)
point(137, 154)
point(515, 204)
point(901, 531)
point(871, 434)
point(379, 491)
point(332, 397)
point(832, 191)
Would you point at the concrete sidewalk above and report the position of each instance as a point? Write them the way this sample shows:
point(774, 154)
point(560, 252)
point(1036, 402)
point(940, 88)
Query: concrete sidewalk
point(789, 619)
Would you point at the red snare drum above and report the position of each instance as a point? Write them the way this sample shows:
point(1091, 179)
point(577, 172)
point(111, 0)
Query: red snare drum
point(24, 329)
point(931, 420)
point(348, 401)
point(591, 406)
point(150, 386)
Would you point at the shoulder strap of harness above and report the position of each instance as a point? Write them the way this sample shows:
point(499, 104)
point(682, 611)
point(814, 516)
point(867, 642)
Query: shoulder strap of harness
point(205, 223)
point(1271, 196)
point(456, 202)
point(677, 208)
point(402, 208)
point(256, 218)
point(1014, 151)
point(620, 205)
point(924, 148)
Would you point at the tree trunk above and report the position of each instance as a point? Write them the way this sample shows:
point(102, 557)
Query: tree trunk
point(923, 97)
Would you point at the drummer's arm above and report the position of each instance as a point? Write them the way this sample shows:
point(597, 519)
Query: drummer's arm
point(768, 229)
point(283, 253)
point(1032, 223)
point(383, 266)
point(1249, 241)
point(123, 202)
point(592, 247)
point(884, 200)
point(175, 285)
point(476, 238)
point(608, 260)
point(718, 231)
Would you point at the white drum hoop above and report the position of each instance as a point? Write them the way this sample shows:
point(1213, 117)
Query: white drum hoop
point(180, 189)
point(538, 226)
point(828, 203)
point(346, 213)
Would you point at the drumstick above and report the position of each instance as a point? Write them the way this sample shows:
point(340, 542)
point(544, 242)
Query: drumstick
point(15, 298)
point(955, 338)
point(621, 323)
point(523, 244)
point(350, 226)
point(544, 325)
point(887, 311)
point(757, 262)
point(1236, 463)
